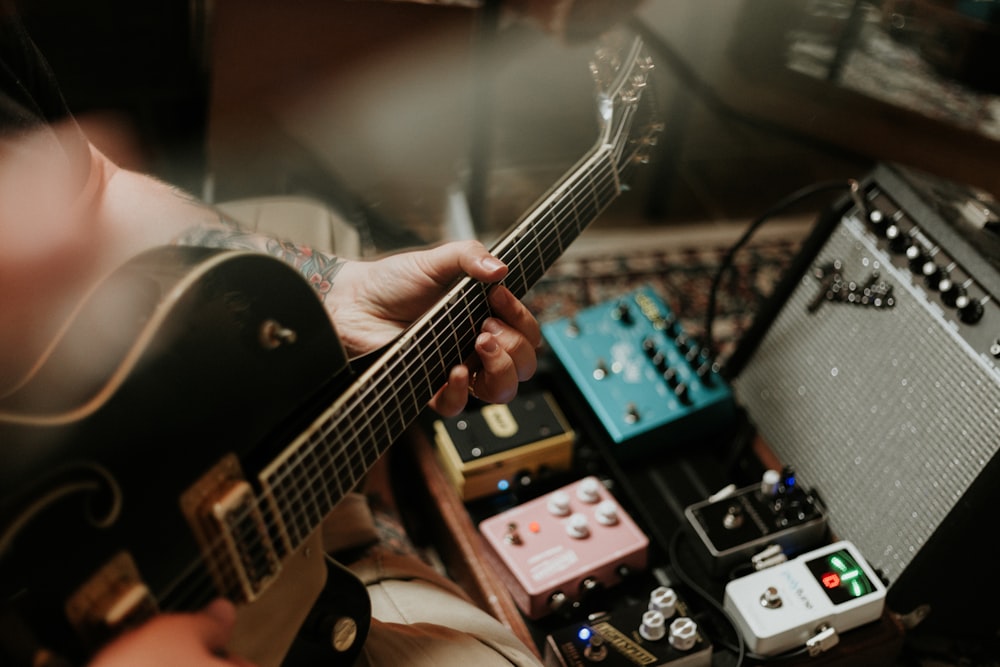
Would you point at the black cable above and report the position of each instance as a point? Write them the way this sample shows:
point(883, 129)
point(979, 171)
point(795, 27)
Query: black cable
point(795, 197)
point(740, 648)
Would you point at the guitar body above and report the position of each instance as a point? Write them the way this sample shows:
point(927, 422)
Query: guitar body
point(161, 374)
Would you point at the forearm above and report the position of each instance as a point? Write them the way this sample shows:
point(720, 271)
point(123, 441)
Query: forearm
point(316, 267)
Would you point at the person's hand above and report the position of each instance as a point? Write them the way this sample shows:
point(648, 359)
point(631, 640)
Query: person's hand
point(372, 302)
point(194, 640)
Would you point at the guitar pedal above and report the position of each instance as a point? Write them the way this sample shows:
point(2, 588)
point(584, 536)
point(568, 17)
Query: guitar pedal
point(655, 633)
point(646, 380)
point(806, 601)
point(486, 450)
point(778, 512)
point(559, 547)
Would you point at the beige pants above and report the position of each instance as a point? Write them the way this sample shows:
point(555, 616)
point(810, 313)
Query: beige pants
point(419, 617)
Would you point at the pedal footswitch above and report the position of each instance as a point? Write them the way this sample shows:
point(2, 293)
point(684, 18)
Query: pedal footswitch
point(556, 549)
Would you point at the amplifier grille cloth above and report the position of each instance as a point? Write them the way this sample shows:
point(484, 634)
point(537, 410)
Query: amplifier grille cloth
point(884, 412)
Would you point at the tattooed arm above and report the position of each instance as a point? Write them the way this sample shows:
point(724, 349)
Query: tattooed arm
point(317, 267)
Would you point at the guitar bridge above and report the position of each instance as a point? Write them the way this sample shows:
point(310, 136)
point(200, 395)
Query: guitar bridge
point(224, 514)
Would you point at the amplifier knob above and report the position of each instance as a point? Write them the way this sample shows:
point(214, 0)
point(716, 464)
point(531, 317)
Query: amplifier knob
point(969, 310)
point(950, 291)
point(916, 256)
point(898, 241)
point(877, 221)
point(932, 273)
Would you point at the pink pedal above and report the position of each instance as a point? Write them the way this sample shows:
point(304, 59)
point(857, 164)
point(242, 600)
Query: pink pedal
point(556, 548)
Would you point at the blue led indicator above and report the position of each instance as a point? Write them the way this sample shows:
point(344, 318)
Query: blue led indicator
point(584, 634)
point(503, 485)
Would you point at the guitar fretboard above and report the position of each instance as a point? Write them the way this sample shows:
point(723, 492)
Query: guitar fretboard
point(335, 454)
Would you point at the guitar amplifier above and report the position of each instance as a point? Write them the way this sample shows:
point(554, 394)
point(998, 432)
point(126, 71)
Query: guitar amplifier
point(873, 369)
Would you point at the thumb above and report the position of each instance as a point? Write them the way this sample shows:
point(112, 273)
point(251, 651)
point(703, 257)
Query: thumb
point(215, 623)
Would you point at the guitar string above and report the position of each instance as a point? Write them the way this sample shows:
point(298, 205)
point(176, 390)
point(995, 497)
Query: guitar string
point(548, 236)
point(465, 315)
point(196, 577)
point(551, 236)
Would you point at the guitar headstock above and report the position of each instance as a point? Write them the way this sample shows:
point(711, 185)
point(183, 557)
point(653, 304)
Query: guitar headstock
point(629, 127)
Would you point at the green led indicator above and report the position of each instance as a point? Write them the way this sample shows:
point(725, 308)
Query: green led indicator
point(841, 576)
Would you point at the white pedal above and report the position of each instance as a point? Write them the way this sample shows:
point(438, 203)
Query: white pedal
point(786, 606)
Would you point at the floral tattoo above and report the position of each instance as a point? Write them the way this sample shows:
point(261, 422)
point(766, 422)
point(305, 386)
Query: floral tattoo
point(317, 267)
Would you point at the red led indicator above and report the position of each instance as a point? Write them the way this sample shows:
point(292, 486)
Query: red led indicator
point(534, 527)
point(831, 580)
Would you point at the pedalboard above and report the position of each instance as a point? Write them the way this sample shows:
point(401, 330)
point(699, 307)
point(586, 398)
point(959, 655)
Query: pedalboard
point(647, 381)
point(490, 449)
point(747, 525)
point(808, 601)
point(655, 633)
point(558, 548)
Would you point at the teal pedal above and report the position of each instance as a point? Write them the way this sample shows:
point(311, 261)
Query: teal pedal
point(646, 380)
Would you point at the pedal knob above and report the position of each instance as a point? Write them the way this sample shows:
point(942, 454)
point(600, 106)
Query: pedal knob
point(683, 633)
point(653, 626)
point(769, 482)
point(577, 526)
point(606, 513)
point(558, 504)
point(663, 599)
point(589, 490)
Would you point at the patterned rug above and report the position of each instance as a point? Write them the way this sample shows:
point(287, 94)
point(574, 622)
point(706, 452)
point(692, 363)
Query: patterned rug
point(681, 274)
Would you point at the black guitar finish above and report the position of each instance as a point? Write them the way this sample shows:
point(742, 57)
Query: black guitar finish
point(89, 470)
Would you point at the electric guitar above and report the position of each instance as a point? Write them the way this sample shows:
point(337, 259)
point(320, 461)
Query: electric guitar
point(198, 419)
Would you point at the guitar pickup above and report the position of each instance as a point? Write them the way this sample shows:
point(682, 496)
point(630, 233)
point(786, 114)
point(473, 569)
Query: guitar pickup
point(224, 514)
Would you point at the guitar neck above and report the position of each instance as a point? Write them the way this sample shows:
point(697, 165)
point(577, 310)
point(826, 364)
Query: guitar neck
point(333, 455)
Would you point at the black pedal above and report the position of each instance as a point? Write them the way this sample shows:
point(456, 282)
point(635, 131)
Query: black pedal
point(657, 632)
point(489, 449)
point(778, 513)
